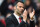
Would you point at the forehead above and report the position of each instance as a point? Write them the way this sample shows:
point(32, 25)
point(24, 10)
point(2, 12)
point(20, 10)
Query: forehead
point(20, 4)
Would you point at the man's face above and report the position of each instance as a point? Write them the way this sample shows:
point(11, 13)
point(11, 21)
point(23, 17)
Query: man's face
point(20, 7)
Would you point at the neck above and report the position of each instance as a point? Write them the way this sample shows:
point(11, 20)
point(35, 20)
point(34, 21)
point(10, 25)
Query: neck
point(17, 13)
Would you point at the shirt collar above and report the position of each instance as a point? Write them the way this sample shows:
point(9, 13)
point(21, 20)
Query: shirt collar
point(16, 16)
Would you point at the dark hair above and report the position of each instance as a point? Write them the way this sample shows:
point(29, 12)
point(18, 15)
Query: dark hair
point(17, 2)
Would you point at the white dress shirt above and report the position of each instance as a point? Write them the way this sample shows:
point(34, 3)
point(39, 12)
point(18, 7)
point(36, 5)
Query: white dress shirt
point(17, 17)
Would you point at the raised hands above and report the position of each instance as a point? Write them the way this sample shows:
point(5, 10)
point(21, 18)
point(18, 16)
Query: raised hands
point(25, 15)
point(31, 14)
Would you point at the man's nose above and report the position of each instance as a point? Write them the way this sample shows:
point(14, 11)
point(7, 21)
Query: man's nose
point(22, 8)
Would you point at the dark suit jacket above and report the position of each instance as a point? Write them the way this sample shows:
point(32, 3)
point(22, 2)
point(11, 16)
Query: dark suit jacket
point(2, 25)
point(11, 21)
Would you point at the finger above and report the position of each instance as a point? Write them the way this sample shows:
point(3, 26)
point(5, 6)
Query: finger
point(24, 11)
point(33, 11)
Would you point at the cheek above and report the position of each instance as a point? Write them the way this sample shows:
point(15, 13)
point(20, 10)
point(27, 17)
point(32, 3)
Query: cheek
point(18, 9)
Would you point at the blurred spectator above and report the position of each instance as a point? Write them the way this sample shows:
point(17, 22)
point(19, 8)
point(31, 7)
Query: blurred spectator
point(36, 25)
point(1, 25)
point(2, 21)
point(8, 14)
point(1, 1)
point(28, 20)
point(29, 6)
point(38, 5)
point(36, 1)
point(29, 3)
point(13, 1)
point(39, 21)
point(4, 7)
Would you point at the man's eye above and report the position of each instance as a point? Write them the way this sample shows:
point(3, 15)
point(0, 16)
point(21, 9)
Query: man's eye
point(23, 7)
point(20, 6)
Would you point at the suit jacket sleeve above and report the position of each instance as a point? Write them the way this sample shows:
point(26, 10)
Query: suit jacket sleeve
point(32, 24)
point(10, 24)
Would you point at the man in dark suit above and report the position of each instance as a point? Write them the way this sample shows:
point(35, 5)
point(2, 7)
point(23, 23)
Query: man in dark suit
point(14, 20)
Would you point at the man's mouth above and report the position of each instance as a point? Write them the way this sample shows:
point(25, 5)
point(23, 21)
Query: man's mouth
point(21, 11)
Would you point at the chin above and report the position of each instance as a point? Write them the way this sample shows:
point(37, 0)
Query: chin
point(20, 13)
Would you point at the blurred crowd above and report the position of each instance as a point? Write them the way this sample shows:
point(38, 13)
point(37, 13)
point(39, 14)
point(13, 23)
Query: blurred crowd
point(6, 9)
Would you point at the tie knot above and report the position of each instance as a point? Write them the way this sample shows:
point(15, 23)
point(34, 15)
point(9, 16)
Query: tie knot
point(19, 18)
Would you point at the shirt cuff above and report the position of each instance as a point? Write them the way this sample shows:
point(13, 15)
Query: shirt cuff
point(32, 19)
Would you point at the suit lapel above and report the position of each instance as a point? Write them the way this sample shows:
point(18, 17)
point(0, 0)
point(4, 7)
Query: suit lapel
point(15, 20)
